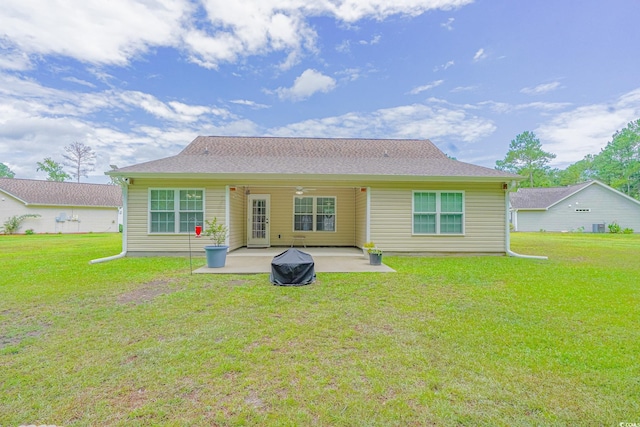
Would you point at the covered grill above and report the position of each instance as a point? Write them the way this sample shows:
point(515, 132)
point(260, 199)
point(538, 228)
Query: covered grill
point(292, 268)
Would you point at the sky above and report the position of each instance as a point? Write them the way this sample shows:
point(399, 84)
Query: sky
point(137, 80)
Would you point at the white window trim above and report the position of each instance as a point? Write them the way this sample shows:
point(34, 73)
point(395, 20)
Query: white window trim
point(315, 204)
point(438, 212)
point(176, 209)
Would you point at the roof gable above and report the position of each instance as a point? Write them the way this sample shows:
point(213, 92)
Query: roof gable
point(547, 197)
point(307, 156)
point(36, 192)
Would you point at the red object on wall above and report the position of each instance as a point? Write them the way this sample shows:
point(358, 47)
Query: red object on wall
point(198, 230)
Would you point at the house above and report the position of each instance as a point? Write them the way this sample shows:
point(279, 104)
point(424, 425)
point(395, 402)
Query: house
point(590, 206)
point(64, 207)
point(405, 195)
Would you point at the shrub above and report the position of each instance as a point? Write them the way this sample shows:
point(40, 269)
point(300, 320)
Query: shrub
point(216, 231)
point(614, 228)
point(13, 224)
point(628, 230)
point(29, 231)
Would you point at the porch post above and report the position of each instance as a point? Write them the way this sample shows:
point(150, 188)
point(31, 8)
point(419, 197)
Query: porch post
point(368, 220)
point(227, 213)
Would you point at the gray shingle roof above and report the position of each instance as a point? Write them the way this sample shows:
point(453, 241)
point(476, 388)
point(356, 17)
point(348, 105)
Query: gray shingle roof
point(332, 156)
point(543, 198)
point(35, 192)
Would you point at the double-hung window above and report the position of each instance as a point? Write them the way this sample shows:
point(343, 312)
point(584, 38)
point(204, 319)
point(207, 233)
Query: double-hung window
point(175, 210)
point(314, 213)
point(438, 212)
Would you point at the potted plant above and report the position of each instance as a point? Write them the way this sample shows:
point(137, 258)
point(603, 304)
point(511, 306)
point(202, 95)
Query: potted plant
point(375, 256)
point(366, 247)
point(216, 253)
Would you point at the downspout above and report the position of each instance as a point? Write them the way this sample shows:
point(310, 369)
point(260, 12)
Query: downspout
point(125, 196)
point(507, 233)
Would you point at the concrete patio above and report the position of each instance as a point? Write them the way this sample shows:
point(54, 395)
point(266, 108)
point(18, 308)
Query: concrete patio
point(326, 260)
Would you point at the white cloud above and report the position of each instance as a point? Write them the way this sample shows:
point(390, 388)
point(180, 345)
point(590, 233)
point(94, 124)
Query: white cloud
point(248, 103)
point(444, 66)
point(374, 40)
point(307, 84)
point(408, 121)
point(504, 107)
point(479, 55)
point(79, 81)
point(344, 46)
point(211, 32)
point(587, 129)
point(464, 89)
point(541, 88)
point(14, 61)
point(37, 121)
point(448, 25)
point(417, 90)
point(92, 31)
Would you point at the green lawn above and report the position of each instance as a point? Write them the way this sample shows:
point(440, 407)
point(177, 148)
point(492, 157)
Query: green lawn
point(444, 341)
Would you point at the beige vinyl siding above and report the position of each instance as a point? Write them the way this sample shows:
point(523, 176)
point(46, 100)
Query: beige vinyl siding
point(281, 217)
point(484, 219)
point(390, 216)
point(605, 206)
point(361, 216)
point(138, 237)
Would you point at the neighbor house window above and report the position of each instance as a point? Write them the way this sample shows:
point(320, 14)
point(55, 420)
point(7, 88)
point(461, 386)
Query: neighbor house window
point(175, 210)
point(314, 213)
point(438, 212)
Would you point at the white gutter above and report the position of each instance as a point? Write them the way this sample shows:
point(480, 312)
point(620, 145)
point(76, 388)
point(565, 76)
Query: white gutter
point(507, 234)
point(125, 194)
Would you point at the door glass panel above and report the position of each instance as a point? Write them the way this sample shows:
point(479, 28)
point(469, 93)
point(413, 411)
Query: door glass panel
point(259, 226)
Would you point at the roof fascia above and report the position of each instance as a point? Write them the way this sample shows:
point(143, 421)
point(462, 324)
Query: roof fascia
point(605, 186)
point(570, 195)
point(319, 177)
point(616, 191)
point(13, 196)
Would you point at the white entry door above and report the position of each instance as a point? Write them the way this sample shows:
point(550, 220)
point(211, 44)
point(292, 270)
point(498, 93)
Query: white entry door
point(258, 220)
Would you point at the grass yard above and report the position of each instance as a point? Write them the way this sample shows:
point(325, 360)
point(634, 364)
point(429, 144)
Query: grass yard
point(472, 341)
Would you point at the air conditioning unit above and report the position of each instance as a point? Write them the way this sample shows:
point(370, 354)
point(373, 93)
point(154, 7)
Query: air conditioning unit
point(597, 228)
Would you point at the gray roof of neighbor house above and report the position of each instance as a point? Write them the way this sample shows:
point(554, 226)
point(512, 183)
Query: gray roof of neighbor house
point(311, 156)
point(543, 198)
point(35, 192)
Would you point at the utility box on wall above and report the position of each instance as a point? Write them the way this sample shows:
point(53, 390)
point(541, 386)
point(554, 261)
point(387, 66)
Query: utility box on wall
point(597, 228)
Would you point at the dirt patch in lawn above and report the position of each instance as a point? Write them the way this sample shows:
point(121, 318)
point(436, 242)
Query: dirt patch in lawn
point(148, 292)
point(14, 340)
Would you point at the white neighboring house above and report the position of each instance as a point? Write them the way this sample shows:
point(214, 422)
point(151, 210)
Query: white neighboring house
point(590, 206)
point(64, 207)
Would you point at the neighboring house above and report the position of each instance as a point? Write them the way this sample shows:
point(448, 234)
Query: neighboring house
point(64, 207)
point(404, 195)
point(590, 206)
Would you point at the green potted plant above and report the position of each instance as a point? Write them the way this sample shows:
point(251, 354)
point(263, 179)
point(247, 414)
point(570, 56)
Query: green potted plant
point(216, 253)
point(366, 247)
point(375, 256)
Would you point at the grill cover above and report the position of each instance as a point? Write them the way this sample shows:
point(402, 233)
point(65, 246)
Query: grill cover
point(292, 268)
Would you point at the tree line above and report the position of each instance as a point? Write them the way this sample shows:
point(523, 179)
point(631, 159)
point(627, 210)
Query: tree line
point(617, 164)
point(78, 158)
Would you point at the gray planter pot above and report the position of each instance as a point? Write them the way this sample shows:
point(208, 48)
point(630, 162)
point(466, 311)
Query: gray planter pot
point(216, 255)
point(375, 259)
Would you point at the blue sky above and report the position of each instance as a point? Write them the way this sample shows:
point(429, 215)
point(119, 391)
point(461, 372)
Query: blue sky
point(137, 80)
